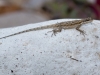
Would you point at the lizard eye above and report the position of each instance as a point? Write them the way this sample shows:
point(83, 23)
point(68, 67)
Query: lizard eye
point(88, 19)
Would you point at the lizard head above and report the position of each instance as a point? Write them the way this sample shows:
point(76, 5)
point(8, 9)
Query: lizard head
point(87, 20)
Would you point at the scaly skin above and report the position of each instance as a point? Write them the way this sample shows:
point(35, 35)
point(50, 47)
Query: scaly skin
point(59, 26)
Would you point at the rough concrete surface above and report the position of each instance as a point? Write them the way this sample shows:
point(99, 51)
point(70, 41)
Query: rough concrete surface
point(39, 53)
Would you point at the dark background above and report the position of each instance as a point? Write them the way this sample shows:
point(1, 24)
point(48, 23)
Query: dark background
point(21, 12)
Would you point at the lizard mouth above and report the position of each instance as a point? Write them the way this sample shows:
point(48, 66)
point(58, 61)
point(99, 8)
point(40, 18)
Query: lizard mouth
point(87, 20)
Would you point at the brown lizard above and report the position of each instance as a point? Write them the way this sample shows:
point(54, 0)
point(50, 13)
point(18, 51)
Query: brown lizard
point(59, 26)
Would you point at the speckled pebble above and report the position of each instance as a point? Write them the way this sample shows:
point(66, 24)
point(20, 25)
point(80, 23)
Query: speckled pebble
point(39, 53)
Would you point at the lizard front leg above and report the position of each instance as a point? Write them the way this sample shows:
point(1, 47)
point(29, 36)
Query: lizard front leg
point(81, 31)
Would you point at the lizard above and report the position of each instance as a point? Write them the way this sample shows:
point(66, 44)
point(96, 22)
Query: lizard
point(59, 26)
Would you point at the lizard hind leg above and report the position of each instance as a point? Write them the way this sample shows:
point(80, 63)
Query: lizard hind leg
point(56, 30)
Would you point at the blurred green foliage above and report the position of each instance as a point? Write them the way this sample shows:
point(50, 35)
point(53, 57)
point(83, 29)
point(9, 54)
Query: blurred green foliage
point(70, 9)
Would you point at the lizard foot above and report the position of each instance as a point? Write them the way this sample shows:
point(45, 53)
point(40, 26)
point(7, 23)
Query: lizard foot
point(55, 31)
point(83, 33)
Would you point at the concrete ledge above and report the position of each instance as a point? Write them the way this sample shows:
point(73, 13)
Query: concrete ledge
point(37, 53)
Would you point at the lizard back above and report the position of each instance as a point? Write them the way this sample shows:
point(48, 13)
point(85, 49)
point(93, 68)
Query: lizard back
point(63, 25)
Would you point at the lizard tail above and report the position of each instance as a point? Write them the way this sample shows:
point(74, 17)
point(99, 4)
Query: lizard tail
point(33, 29)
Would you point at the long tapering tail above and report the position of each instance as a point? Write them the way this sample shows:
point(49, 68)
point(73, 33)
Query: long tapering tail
point(28, 30)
